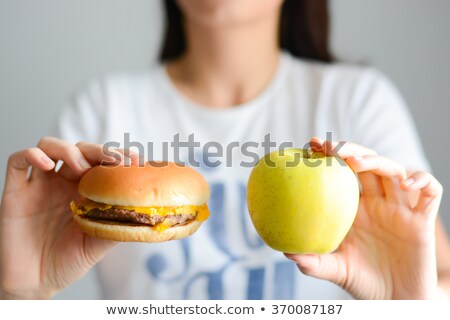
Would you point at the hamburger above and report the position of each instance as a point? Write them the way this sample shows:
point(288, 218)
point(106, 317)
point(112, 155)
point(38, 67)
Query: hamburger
point(159, 201)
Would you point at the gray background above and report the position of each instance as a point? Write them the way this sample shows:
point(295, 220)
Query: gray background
point(50, 48)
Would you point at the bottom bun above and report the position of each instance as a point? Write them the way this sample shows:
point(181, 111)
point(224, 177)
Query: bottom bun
point(117, 231)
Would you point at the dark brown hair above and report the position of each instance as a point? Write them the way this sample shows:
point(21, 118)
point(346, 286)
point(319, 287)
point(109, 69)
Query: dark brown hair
point(303, 30)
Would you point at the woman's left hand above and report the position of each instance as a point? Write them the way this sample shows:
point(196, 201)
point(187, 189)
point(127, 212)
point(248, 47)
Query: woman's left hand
point(390, 251)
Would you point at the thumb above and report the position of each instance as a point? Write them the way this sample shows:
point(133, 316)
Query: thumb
point(322, 266)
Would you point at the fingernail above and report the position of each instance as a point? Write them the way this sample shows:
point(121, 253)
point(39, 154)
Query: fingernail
point(408, 182)
point(315, 145)
point(83, 163)
point(47, 160)
point(358, 158)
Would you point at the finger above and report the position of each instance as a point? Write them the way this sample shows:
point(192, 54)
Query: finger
point(125, 157)
point(321, 266)
point(131, 156)
point(93, 153)
point(430, 191)
point(378, 165)
point(394, 192)
point(371, 184)
point(345, 149)
point(67, 173)
point(58, 149)
point(316, 144)
point(389, 173)
point(19, 163)
point(96, 155)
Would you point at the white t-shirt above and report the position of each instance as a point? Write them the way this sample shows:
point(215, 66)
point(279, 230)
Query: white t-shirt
point(225, 259)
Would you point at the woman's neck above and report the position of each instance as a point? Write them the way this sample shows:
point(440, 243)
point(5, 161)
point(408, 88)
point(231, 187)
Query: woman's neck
point(227, 65)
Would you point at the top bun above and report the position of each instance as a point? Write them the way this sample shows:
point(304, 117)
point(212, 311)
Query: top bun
point(158, 184)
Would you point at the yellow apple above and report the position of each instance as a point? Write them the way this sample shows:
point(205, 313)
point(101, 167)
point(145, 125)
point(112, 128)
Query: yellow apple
point(302, 202)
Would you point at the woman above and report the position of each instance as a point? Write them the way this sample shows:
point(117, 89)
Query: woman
point(234, 72)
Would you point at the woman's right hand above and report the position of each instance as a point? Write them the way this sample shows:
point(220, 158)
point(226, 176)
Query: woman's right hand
point(41, 249)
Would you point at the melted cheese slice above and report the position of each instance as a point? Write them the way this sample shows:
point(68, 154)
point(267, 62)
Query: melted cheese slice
point(86, 205)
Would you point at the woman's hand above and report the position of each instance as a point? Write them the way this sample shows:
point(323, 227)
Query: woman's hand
point(41, 248)
point(390, 252)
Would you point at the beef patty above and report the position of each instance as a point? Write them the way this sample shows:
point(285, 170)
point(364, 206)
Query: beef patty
point(132, 216)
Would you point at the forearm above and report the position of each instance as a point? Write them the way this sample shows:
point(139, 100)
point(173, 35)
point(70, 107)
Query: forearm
point(444, 285)
point(443, 258)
